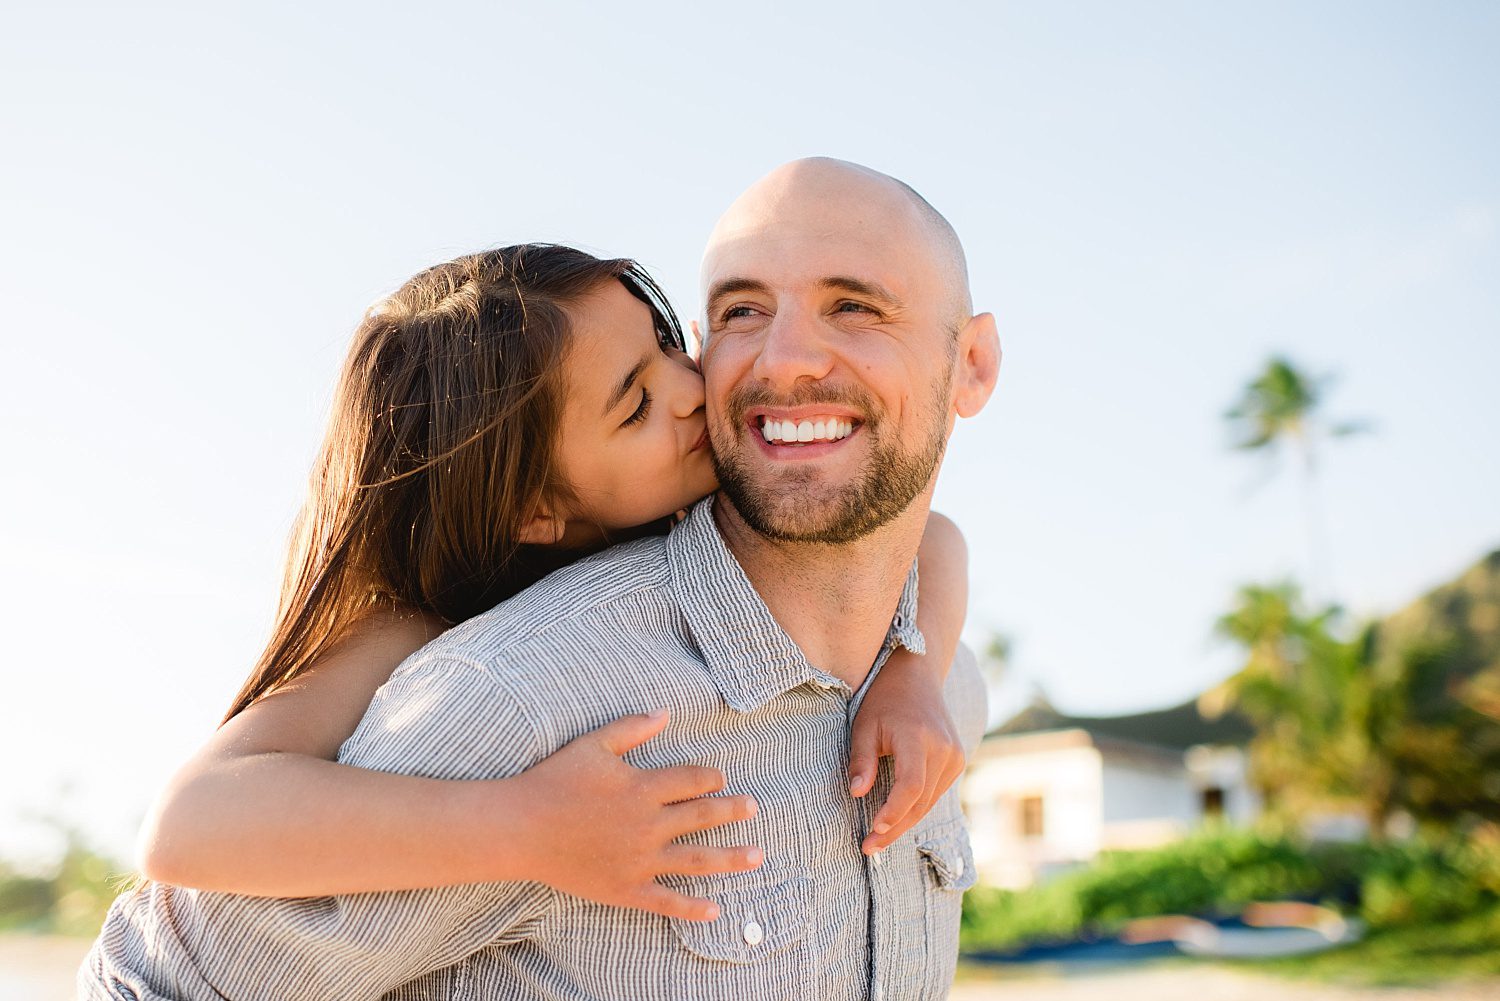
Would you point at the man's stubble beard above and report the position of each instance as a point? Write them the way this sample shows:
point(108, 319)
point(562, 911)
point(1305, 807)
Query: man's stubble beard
point(845, 512)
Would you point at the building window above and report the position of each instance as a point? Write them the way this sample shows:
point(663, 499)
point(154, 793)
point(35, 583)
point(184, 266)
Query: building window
point(1031, 817)
point(1213, 802)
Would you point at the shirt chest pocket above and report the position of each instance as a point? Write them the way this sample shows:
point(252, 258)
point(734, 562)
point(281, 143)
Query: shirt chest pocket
point(757, 922)
point(950, 859)
point(949, 872)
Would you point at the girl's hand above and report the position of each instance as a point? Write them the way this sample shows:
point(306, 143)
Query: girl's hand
point(604, 830)
point(904, 715)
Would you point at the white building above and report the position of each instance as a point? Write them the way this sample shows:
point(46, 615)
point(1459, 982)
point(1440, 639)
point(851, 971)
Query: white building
point(1047, 791)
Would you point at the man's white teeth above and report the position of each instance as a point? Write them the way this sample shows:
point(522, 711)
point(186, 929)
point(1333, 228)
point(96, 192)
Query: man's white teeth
point(827, 429)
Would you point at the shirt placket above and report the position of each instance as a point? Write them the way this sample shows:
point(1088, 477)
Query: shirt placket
point(886, 932)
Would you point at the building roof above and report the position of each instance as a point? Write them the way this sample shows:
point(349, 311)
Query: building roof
point(1180, 726)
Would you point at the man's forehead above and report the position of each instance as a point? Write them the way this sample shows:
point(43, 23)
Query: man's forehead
point(850, 240)
point(803, 254)
point(813, 218)
point(821, 210)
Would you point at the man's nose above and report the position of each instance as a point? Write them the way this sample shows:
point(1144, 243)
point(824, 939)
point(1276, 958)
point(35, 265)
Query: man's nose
point(794, 349)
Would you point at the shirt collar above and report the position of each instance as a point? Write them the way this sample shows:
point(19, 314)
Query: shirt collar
point(751, 658)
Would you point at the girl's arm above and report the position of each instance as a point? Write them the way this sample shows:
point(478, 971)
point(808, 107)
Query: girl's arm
point(262, 809)
point(904, 714)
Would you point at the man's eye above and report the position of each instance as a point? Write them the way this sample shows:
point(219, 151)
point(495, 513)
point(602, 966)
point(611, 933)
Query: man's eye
point(852, 307)
point(641, 411)
point(735, 312)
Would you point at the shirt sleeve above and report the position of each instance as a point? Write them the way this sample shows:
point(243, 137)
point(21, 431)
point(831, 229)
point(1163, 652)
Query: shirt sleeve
point(442, 718)
point(446, 717)
point(904, 631)
point(968, 699)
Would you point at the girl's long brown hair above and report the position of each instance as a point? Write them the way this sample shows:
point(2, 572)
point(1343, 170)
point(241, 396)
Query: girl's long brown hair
point(441, 447)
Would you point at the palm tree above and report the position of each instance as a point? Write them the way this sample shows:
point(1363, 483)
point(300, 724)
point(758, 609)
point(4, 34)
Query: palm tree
point(1282, 689)
point(1386, 721)
point(1312, 699)
point(1279, 410)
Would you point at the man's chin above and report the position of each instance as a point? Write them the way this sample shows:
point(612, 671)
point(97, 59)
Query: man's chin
point(799, 516)
point(814, 502)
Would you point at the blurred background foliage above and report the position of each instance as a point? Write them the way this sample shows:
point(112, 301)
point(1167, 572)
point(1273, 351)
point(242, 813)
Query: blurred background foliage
point(1432, 906)
point(1394, 721)
point(68, 896)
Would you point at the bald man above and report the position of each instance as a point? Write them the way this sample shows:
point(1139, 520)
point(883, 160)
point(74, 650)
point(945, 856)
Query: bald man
point(839, 349)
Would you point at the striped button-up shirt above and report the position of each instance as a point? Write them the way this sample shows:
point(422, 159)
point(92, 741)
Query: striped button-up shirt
point(668, 622)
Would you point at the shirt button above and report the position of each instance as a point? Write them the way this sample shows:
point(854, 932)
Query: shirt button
point(877, 858)
point(754, 933)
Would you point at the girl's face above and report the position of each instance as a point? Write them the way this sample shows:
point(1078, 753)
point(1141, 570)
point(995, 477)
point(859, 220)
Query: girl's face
point(634, 441)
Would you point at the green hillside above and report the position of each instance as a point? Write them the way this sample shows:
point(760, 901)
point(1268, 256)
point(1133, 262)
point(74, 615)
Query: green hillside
point(1461, 620)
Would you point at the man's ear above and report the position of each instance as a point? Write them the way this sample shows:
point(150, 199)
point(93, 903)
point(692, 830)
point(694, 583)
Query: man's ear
point(544, 529)
point(977, 366)
point(697, 336)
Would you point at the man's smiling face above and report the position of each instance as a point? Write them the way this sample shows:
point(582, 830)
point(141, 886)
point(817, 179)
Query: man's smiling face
point(834, 313)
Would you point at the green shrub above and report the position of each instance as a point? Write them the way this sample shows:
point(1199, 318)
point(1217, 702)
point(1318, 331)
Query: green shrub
point(1218, 872)
point(1418, 882)
point(998, 919)
point(25, 901)
point(70, 899)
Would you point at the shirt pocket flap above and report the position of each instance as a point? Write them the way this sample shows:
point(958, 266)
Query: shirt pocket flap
point(950, 857)
point(754, 921)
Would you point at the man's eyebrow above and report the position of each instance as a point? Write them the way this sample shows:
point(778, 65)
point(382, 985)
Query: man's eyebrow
point(841, 283)
point(730, 286)
point(858, 286)
point(625, 384)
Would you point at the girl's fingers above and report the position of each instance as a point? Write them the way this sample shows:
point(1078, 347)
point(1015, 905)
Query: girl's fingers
point(684, 782)
point(942, 780)
point(861, 776)
point(670, 904)
point(864, 756)
point(909, 767)
point(629, 731)
point(702, 860)
point(711, 811)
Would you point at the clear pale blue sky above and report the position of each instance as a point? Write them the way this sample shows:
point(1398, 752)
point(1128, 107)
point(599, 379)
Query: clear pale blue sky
point(196, 205)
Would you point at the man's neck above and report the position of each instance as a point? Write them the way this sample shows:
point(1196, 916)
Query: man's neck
point(834, 601)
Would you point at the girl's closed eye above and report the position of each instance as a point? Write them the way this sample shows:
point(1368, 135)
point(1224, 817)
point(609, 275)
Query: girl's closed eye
point(642, 411)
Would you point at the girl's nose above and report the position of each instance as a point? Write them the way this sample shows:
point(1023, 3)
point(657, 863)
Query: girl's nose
point(687, 389)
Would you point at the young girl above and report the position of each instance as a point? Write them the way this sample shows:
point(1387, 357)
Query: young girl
point(458, 470)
